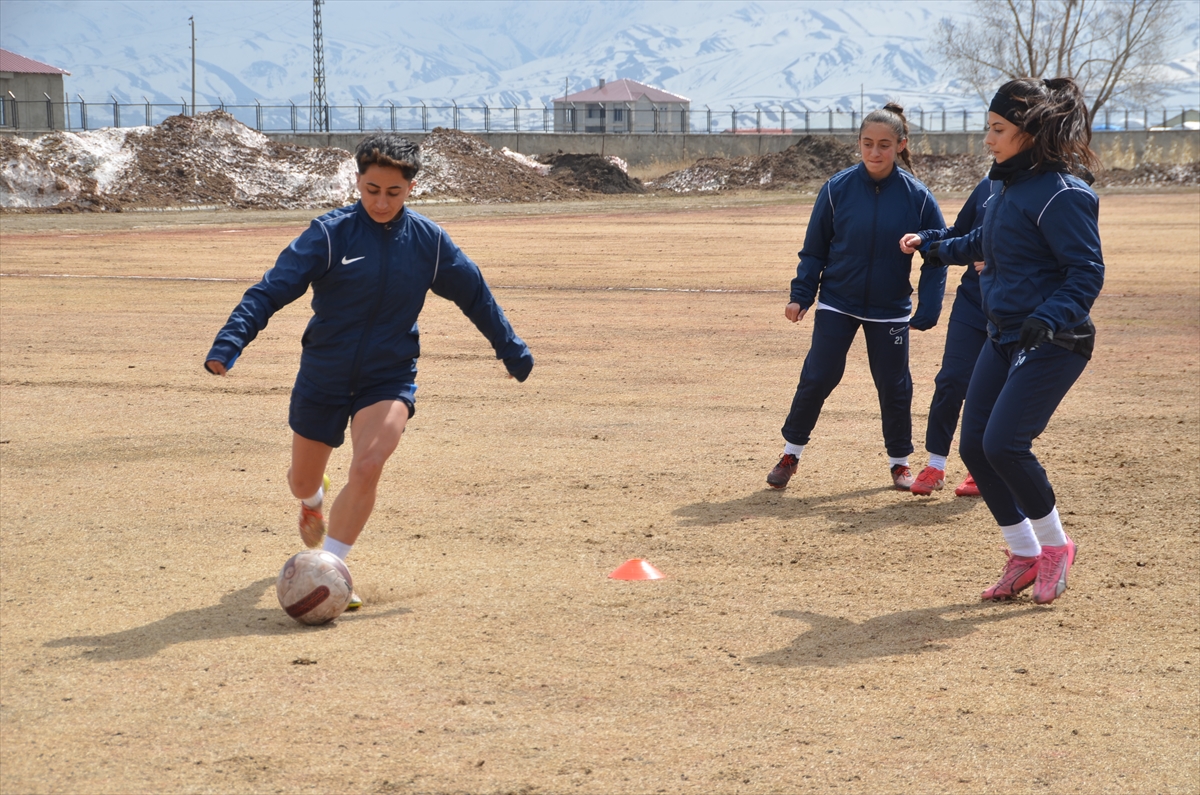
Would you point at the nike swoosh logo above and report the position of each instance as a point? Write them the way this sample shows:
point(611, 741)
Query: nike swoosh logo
point(348, 261)
point(896, 330)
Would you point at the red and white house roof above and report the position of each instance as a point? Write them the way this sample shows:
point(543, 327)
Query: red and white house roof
point(623, 91)
point(19, 64)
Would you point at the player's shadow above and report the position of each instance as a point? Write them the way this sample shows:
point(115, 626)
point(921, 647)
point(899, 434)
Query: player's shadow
point(831, 641)
point(237, 614)
point(892, 509)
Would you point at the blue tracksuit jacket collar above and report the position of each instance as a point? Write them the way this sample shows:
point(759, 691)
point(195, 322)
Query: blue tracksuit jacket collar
point(366, 218)
point(882, 183)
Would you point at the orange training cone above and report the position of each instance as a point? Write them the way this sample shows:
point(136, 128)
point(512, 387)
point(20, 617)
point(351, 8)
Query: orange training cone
point(636, 569)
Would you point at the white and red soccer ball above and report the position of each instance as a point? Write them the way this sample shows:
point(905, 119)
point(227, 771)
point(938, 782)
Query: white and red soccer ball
point(314, 586)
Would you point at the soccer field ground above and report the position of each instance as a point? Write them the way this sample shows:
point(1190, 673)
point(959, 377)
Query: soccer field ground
point(827, 638)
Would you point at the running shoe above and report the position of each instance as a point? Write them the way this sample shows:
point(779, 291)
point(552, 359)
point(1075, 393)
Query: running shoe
point(1052, 572)
point(355, 602)
point(783, 471)
point(1019, 574)
point(929, 481)
point(967, 488)
point(902, 477)
point(312, 522)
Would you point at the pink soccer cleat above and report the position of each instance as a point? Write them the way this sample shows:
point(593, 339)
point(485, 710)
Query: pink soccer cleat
point(1019, 573)
point(1052, 572)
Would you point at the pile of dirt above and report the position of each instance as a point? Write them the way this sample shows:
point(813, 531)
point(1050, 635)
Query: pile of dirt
point(1151, 175)
point(596, 173)
point(457, 166)
point(810, 161)
point(948, 173)
point(207, 160)
point(212, 160)
point(951, 173)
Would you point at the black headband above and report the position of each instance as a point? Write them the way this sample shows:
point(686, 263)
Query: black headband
point(1006, 106)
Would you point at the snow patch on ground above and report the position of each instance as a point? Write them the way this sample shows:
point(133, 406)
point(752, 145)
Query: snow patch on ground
point(525, 160)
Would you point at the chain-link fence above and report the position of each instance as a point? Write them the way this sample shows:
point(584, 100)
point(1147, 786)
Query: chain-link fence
point(561, 117)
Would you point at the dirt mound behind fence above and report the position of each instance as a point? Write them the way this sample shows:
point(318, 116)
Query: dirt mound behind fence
point(810, 160)
point(207, 160)
point(212, 160)
point(457, 166)
point(596, 173)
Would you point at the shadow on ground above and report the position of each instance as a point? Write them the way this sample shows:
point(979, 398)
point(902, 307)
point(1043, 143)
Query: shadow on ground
point(842, 511)
point(832, 641)
point(237, 614)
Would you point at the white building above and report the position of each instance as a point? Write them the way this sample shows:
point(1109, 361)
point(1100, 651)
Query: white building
point(622, 106)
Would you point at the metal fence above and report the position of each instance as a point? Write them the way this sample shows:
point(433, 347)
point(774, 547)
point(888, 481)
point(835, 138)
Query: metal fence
point(762, 119)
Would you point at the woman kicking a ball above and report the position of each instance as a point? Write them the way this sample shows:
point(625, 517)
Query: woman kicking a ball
point(1040, 241)
point(370, 267)
point(850, 258)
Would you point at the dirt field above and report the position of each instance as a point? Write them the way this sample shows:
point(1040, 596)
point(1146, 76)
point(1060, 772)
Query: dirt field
point(828, 638)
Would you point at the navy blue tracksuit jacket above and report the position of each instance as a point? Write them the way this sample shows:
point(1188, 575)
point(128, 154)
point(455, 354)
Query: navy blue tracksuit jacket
point(1041, 241)
point(851, 252)
point(369, 282)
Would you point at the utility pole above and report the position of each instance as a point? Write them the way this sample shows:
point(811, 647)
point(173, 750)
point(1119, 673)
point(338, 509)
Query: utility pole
point(192, 22)
point(321, 111)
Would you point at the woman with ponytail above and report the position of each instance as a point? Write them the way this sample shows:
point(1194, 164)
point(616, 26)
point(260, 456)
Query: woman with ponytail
point(850, 267)
point(1040, 241)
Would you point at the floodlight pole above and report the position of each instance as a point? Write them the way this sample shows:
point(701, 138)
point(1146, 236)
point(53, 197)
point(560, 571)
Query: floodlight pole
point(192, 23)
point(322, 109)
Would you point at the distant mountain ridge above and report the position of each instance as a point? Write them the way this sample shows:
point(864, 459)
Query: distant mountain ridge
point(804, 55)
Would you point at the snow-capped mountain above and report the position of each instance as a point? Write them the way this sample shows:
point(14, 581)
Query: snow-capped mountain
point(806, 55)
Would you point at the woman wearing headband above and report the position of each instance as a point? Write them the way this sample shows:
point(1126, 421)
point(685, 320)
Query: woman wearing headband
point(1040, 241)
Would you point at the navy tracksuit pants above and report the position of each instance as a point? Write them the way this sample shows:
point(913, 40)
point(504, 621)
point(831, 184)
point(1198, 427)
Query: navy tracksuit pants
point(1012, 395)
point(965, 335)
point(887, 352)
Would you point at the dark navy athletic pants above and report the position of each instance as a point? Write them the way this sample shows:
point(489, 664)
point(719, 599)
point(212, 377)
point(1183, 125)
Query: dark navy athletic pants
point(1012, 395)
point(887, 351)
point(963, 343)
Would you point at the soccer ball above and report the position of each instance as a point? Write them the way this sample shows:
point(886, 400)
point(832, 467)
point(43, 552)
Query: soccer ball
point(314, 586)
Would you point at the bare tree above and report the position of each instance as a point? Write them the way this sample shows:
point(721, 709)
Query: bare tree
point(1114, 49)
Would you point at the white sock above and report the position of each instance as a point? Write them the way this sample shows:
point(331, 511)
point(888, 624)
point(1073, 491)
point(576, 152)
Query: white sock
point(1021, 540)
point(898, 462)
point(1049, 529)
point(336, 547)
point(316, 499)
point(937, 461)
point(793, 449)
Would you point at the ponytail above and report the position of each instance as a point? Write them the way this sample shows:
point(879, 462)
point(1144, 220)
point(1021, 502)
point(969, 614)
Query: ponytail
point(893, 116)
point(1055, 115)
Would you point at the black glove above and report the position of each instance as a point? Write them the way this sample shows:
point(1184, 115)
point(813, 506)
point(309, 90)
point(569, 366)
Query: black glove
point(1034, 332)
